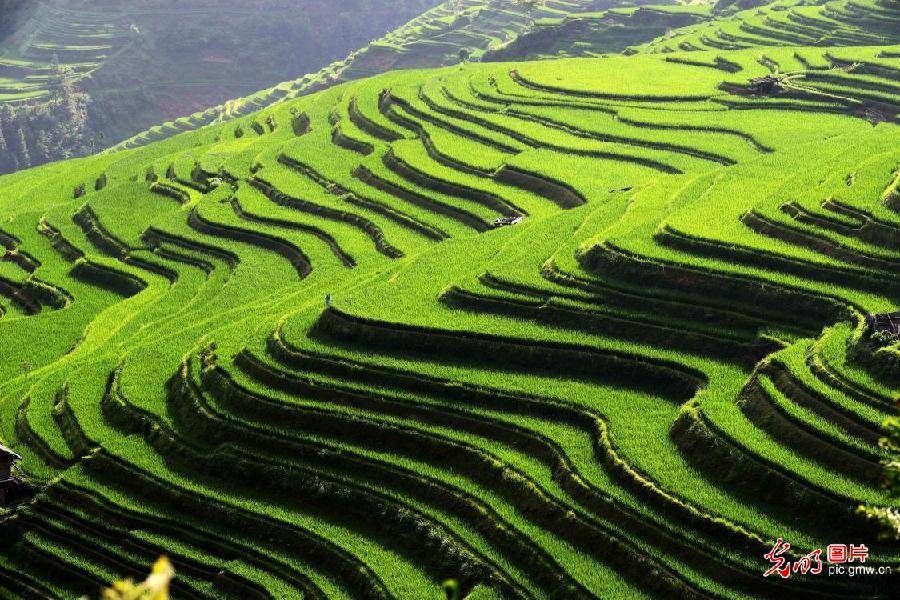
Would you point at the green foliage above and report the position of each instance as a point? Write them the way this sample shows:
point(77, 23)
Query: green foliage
point(887, 517)
point(155, 587)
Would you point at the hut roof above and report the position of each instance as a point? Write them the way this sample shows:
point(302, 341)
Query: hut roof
point(6, 453)
point(885, 322)
point(500, 222)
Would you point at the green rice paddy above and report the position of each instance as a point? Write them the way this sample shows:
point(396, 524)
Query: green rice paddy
point(294, 352)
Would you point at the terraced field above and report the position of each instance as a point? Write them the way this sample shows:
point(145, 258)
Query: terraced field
point(56, 40)
point(294, 353)
point(793, 23)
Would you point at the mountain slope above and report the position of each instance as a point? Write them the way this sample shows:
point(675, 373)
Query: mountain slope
point(294, 353)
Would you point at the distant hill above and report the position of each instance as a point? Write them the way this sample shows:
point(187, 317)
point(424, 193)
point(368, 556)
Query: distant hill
point(10, 12)
point(128, 65)
point(593, 33)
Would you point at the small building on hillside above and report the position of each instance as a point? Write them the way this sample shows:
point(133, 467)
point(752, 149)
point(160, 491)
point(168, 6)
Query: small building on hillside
point(504, 221)
point(7, 459)
point(885, 323)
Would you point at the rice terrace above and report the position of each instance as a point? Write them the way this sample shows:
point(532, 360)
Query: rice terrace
point(541, 299)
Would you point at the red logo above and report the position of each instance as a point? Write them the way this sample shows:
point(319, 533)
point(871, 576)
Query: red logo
point(780, 564)
point(811, 564)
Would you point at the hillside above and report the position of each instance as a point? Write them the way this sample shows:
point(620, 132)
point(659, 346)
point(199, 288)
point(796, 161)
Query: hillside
point(616, 29)
point(295, 353)
point(131, 65)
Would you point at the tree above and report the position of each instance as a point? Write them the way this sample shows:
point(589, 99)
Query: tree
point(7, 154)
point(23, 149)
point(45, 146)
point(889, 518)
